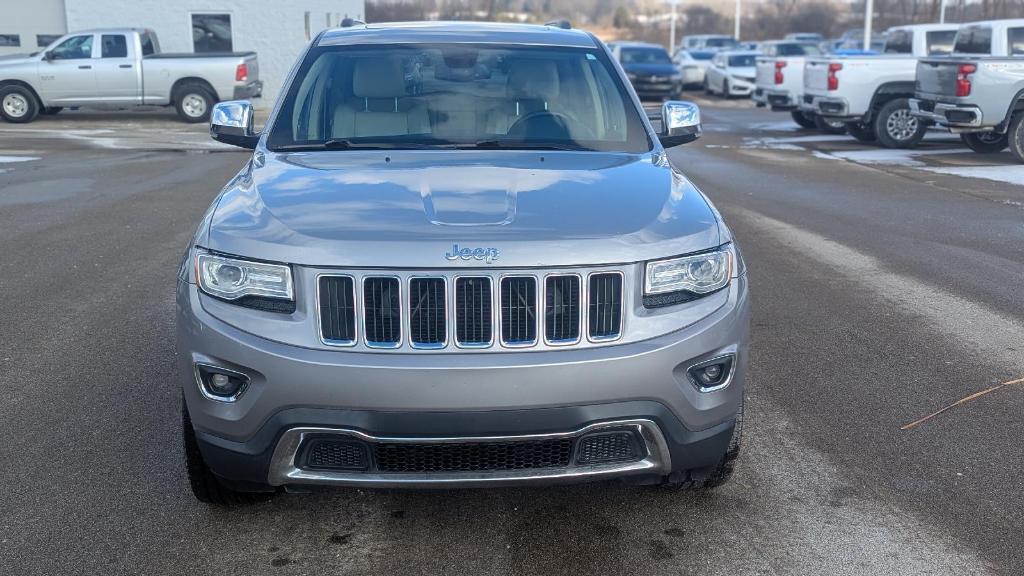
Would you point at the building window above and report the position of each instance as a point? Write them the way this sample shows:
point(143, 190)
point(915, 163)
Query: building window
point(211, 33)
point(44, 40)
point(10, 40)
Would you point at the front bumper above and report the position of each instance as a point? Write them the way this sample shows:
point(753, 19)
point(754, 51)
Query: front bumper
point(657, 90)
point(830, 107)
point(740, 87)
point(780, 99)
point(956, 117)
point(435, 396)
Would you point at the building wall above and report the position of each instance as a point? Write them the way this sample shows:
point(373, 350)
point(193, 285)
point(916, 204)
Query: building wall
point(28, 20)
point(276, 30)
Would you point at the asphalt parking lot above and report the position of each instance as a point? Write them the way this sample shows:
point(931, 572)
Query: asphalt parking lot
point(887, 287)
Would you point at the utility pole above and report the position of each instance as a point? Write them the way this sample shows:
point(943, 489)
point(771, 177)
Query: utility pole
point(739, 16)
point(672, 30)
point(869, 12)
point(942, 12)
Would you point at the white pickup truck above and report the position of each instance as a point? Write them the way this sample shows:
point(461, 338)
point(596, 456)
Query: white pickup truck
point(122, 67)
point(979, 91)
point(780, 79)
point(872, 93)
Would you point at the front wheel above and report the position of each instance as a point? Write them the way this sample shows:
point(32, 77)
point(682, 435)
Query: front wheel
point(986, 142)
point(194, 103)
point(1016, 137)
point(896, 127)
point(18, 104)
point(828, 125)
point(206, 487)
point(803, 120)
point(721, 472)
point(862, 132)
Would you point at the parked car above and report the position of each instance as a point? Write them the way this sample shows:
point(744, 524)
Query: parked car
point(979, 91)
point(449, 286)
point(779, 82)
point(731, 73)
point(812, 37)
point(650, 69)
point(872, 93)
point(709, 42)
point(122, 67)
point(692, 65)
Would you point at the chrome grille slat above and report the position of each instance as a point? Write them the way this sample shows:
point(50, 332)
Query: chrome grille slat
point(518, 311)
point(605, 312)
point(473, 311)
point(428, 322)
point(562, 309)
point(337, 310)
point(382, 311)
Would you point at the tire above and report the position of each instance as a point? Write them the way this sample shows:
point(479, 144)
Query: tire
point(18, 104)
point(895, 127)
point(194, 103)
point(802, 119)
point(707, 87)
point(205, 485)
point(1016, 137)
point(51, 110)
point(861, 132)
point(726, 93)
point(829, 126)
point(722, 472)
point(986, 142)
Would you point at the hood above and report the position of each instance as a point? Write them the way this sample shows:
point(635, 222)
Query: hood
point(407, 209)
point(666, 69)
point(12, 59)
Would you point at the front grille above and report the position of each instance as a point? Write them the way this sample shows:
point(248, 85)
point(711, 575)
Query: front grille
point(428, 325)
point(330, 454)
point(605, 314)
point(608, 447)
point(562, 309)
point(473, 311)
point(472, 457)
point(337, 302)
point(519, 310)
point(382, 311)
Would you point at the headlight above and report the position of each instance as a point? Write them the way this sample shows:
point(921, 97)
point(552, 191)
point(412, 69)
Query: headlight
point(231, 279)
point(700, 273)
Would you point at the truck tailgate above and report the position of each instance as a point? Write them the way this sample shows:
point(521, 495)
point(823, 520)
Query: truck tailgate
point(816, 75)
point(765, 72)
point(252, 64)
point(937, 76)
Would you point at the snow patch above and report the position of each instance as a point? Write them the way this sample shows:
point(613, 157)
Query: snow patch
point(891, 157)
point(12, 159)
point(1008, 174)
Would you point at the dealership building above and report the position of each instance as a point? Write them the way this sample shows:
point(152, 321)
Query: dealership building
point(276, 30)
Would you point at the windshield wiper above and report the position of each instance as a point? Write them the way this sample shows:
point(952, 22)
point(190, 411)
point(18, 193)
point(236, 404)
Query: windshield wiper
point(504, 145)
point(344, 144)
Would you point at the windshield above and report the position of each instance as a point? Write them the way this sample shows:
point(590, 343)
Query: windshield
point(744, 61)
point(702, 55)
point(721, 43)
point(487, 96)
point(645, 56)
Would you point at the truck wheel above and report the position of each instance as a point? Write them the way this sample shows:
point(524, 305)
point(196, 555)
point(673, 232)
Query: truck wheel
point(986, 142)
point(861, 132)
point(803, 120)
point(194, 103)
point(896, 127)
point(722, 472)
point(51, 110)
point(205, 485)
point(829, 126)
point(18, 104)
point(1016, 137)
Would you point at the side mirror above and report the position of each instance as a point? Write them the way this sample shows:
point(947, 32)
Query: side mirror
point(231, 123)
point(48, 56)
point(680, 123)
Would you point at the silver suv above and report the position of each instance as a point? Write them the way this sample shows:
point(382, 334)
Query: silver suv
point(459, 256)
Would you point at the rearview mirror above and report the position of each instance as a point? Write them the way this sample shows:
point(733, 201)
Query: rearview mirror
point(231, 122)
point(680, 123)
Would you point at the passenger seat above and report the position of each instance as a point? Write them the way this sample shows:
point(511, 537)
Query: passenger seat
point(379, 106)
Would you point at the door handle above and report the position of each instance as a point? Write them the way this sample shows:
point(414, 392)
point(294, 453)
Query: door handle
point(85, 67)
point(125, 66)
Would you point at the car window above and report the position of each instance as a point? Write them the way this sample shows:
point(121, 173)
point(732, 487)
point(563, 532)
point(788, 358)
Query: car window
point(974, 40)
point(114, 46)
point(149, 45)
point(705, 56)
point(74, 48)
point(743, 61)
point(940, 41)
point(1015, 41)
point(900, 42)
point(645, 56)
point(721, 43)
point(799, 50)
point(458, 95)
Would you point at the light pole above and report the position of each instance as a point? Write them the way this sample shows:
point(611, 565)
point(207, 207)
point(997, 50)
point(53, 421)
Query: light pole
point(739, 16)
point(942, 12)
point(869, 12)
point(672, 29)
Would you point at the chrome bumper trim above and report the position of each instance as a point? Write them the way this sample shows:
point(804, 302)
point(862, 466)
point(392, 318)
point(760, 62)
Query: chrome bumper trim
point(284, 469)
point(938, 114)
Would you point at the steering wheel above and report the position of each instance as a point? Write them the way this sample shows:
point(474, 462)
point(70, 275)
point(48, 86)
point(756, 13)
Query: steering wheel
point(548, 123)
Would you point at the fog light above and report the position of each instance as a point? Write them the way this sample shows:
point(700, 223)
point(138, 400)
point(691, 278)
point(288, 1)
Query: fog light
point(711, 375)
point(219, 383)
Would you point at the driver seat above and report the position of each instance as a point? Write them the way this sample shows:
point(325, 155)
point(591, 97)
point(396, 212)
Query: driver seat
point(532, 85)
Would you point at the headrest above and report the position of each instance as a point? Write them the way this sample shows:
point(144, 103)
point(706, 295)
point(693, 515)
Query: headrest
point(533, 80)
point(378, 78)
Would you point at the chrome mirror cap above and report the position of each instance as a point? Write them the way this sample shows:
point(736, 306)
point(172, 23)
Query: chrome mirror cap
point(680, 123)
point(231, 122)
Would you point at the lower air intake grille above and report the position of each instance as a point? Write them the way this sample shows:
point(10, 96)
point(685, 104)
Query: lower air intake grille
point(472, 457)
point(337, 309)
point(473, 311)
point(383, 316)
point(562, 309)
point(328, 454)
point(518, 310)
point(427, 325)
point(608, 447)
point(605, 316)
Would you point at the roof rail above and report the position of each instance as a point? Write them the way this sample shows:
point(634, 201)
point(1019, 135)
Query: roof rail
point(563, 24)
point(350, 22)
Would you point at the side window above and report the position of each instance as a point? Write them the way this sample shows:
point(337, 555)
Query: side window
point(1015, 41)
point(974, 40)
point(74, 48)
point(940, 41)
point(148, 46)
point(114, 46)
point(900, 42)
point(211, 33)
